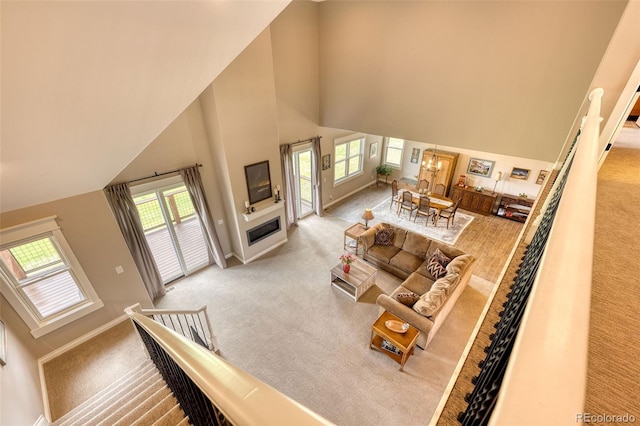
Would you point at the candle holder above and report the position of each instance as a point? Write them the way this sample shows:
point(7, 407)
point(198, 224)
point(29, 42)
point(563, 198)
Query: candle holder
point(247, 210)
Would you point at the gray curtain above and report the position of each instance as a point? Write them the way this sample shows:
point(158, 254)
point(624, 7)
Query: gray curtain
point(126, 214)
point(288, 185)
point(317, 155)
point(193, 183)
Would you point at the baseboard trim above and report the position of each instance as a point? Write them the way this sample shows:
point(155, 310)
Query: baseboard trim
point(53, 354)
point(337, 200)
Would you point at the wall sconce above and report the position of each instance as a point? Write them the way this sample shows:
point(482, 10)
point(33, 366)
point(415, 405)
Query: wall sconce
point(367, 216)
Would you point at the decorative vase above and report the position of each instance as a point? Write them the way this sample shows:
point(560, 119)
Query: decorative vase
point(346, 267)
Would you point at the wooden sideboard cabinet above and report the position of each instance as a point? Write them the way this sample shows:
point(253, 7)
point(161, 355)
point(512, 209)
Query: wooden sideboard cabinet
point(474, 201)
point(514, 207)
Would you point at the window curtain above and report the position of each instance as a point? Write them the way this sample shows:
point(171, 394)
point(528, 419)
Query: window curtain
point(193, 183)
point(288, 185)
point(317, 155)
point(126, 214)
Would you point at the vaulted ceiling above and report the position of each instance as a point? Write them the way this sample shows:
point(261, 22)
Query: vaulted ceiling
point(86, 86)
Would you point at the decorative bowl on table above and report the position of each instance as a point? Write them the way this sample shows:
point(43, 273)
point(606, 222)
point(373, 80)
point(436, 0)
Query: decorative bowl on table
point(397, 326)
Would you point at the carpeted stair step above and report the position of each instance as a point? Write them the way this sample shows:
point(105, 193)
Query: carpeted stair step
point(171, 417)
point(135, 402)
point(112, 402)
point(151, 401)
point(141, 372)
point(184, 422)
point(155, 413)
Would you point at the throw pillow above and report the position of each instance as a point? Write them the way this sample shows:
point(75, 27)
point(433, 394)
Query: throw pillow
point(437, 264)
point(407, 299)
point(436, 269)
point(384, 237)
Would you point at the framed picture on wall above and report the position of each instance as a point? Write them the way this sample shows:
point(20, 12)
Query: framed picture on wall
point(480, 167)
point(518, 173)
point(415, 154)
point(326, 161)
point(373, 150)
point(541, 177)
point(258, 181)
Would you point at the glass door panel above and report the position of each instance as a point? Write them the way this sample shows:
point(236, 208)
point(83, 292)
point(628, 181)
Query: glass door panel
point(303, 171)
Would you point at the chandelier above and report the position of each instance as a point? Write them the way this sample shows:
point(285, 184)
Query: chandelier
point(434, 165)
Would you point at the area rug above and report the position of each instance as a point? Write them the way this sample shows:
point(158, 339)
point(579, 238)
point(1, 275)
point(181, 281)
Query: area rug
point(439, 232)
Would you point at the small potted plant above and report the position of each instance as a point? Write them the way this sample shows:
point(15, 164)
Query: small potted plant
point(384, 170)
point(346, 259)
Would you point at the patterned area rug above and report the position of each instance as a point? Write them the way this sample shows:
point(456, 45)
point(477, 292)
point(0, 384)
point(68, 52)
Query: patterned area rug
point(382, 213)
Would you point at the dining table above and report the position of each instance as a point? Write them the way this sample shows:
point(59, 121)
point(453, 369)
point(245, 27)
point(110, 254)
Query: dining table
point(438, 202)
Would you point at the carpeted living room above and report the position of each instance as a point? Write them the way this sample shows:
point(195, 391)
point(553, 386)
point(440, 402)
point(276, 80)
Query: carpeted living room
point(279, 319)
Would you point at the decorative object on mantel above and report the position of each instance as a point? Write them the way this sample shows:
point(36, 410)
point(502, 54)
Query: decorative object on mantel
point(346, 259)
point(367, 216)
point(276, 197)
point(247, 207)
point(497, 178)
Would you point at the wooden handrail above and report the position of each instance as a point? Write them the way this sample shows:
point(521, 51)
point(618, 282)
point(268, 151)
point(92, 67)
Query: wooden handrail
point(242, 398)
point(545, 379)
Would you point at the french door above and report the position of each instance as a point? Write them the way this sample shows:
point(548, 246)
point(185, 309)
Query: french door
point(303, 171)
point(172, 230)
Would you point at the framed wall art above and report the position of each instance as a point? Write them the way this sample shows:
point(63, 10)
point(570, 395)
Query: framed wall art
point(415, 154)
point(518, 173)
point(326, 161)
point(541, 177)
point(373, 150)
point(258, 181)
point(480, 167)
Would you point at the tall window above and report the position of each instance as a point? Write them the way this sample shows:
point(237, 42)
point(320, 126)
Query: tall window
point(393, 153)
point(348, 154)
point(42, 279)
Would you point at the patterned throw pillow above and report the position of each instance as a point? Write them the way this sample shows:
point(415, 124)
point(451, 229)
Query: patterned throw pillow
point(437, 264)
point(407, 299)
point(384, 237)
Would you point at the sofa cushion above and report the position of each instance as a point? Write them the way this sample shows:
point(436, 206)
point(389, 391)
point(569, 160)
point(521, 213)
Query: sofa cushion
point(399, 237)
point(416, 244)
point(383, 253)
point(430, 302)
point(384, 237)
point(407, 298)
point(447, 283)
point(446, 249)
point(406, 261)
point(417, 283)
point(459, 264)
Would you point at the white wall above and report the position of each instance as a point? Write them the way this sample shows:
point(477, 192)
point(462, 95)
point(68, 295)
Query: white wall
point(503, 163)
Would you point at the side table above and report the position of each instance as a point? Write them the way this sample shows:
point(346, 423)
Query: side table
point(404, 342)
point(354, 232)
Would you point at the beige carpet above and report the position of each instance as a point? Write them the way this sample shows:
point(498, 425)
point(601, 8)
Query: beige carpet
point(279, 319)
point(614, 364)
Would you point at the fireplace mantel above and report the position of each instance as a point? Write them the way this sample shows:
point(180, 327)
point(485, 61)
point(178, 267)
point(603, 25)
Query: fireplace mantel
point(263, 211)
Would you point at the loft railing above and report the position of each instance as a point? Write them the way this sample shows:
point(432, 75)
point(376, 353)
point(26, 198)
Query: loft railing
point(212, 391)
point(536, 365)
point(193, 324)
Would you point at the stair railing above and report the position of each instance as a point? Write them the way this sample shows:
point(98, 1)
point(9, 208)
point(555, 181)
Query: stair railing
point(193, 324)
point(212, 391)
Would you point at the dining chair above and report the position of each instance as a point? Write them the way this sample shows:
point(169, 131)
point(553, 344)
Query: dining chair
point(424, 209)
point(450, 212)
point(439, 189)
point(394, 193)
point(407, 203)
point(423, 184)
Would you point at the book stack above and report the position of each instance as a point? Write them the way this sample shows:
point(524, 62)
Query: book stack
point(389, 347)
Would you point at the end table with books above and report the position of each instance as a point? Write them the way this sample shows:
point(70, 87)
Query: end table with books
point(397, 346)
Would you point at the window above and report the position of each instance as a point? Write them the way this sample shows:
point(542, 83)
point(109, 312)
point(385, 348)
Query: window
point(348, 154)
point(42, 278)
point(393, 153)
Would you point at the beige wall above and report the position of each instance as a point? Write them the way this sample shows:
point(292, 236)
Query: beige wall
point(503, 77)
point(90, 229)
point(20, 396)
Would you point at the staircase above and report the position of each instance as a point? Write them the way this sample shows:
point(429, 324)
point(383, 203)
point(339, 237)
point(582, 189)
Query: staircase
point(141, 397)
